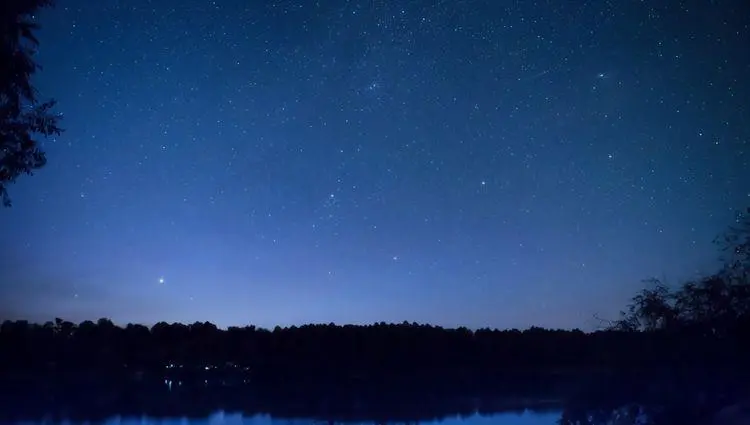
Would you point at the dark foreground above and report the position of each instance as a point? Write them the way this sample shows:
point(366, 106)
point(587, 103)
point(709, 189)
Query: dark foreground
point(683, 398)
point(380, 373)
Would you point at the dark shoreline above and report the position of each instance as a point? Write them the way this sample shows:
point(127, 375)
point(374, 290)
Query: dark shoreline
point(379, 373)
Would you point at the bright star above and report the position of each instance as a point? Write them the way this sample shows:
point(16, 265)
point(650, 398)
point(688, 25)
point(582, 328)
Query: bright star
point(161, 280)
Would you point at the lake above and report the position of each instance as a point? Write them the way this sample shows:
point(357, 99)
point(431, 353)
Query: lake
point(518, 402)
point(527, 417)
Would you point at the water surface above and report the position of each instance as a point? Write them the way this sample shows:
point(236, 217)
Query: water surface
point(524, 417)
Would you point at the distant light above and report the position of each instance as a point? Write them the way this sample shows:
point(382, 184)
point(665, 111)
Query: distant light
point(161, 280)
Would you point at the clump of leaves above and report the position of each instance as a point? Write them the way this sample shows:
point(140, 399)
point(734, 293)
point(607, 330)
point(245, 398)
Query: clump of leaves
point(22, 117)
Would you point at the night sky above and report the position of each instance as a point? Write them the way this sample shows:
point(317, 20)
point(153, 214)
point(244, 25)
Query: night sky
point(477, 163)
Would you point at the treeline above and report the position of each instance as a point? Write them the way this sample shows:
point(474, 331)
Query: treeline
point(330, 352)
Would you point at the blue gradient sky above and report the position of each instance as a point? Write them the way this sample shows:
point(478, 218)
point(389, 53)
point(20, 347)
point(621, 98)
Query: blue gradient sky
point(460, 163)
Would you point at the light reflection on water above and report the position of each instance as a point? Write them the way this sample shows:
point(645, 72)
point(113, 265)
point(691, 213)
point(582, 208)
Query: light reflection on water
point(221, 418)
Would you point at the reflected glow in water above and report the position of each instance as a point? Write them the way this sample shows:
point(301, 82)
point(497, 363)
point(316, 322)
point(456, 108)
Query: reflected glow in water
point(222, 418)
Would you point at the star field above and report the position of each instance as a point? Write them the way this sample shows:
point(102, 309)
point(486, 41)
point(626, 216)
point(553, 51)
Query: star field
point(472, 163)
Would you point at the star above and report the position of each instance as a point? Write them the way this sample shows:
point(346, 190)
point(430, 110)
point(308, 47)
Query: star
point(161, 280)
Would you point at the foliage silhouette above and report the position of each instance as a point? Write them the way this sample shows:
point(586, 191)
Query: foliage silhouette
point(22, 116)
point(717, 304)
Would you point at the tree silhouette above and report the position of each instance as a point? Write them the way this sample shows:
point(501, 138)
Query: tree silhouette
point(713, 304)
point(22, 116)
